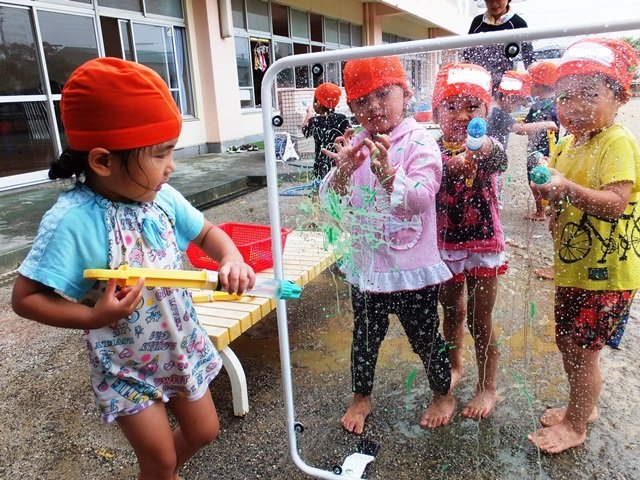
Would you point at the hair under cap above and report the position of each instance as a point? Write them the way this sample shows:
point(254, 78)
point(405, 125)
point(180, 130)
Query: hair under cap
point(328, 95)
point(611, 57)
point(363, 76)
point(515, 83)
point(118, 105)
point(462, 79)
point(543, 73)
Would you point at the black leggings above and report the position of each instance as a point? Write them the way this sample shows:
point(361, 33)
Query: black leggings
point(418, 314)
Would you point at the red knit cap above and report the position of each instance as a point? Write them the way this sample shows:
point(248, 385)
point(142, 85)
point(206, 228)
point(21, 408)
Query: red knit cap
point(462, 79)
point(515, 83)
point(612, 57)
point(543, 73)
point(363, 76)
point(118, 105)
point(328, 95)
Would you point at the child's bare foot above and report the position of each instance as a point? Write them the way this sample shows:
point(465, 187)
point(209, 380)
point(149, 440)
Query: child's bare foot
point(558, 438)
point(481, 405)
point(553, 416)
point(439, 412)
point(353, 420)
point(546, 272)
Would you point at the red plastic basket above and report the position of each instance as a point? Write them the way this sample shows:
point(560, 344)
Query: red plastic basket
point(253, 241)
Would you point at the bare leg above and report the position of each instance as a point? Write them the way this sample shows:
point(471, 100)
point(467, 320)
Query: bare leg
point(198, 426)
point(439, 412)
point(553, 416)
point(583, 372)
point(453, 304)
point(355, 416)
point(150, 435)
point(481, 299)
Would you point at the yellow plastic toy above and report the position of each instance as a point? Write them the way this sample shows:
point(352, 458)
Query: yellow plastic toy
point(156, 277)
point(196, 279)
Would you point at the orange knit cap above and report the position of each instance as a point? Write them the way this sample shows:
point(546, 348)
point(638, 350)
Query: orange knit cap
point(363, 76)
point(462, 79)
point(543, 73)
point(612, 57)
point(328, 95)
point(515, 83)
point(118, 105)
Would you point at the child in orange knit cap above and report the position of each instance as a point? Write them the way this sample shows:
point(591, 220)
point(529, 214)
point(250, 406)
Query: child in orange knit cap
point(513, 91)
point(594, 193)
point(325, 125)
point(543, 109)
point(146, 350)
point(385, 180)
point(470, 236)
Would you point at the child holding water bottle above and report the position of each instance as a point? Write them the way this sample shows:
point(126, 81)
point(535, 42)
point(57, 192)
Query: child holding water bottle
point(470, 236)
point(594, 192)
point(385, 181)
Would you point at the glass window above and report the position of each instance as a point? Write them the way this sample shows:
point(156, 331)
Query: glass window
point(356, 35)
point(25, 138)
point(332, 72)
point(18, 56)
point(243, 61)
point(280, 20)
point(185, 89)
point(258, 15)
point(331, 30)
point(299, 24)
point(301, 72)
point(237, 12)
point(345, 34)
point(127, 42)
point(63, 52)
point(168, 8)
point(155, 50)
point(315, 21)
point(285, 77)
point(132, 5)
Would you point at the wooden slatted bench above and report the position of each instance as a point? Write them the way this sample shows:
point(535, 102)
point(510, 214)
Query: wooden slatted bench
point(303, 259)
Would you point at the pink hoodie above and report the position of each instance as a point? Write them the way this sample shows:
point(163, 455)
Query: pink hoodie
point(393, 243)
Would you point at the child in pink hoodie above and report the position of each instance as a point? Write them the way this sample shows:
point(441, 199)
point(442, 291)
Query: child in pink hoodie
point(385, 180)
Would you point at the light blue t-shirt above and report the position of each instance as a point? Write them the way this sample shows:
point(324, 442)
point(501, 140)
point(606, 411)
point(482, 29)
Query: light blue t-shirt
point(73, 236)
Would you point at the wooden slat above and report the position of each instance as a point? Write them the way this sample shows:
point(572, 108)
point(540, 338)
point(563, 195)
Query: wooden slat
point(304, 258)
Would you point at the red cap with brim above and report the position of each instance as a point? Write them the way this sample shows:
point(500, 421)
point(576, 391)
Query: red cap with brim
point(611, 57)
point(462, 79)
point(515, 83)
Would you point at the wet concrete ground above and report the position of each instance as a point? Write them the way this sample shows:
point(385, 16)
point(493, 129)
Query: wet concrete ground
point(49, 428)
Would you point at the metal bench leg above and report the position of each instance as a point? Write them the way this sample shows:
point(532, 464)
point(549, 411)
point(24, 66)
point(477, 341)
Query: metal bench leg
point(238, 382)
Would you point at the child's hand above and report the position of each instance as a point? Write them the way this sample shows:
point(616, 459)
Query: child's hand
point(235, 276)
point(379, 154)
point(347, 157)
point(114, 305)
point(554, 190)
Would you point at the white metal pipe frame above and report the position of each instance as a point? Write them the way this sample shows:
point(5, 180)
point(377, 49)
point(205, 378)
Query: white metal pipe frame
point(418, 46)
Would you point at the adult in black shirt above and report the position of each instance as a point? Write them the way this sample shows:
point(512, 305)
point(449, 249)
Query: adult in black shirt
point(499, 16)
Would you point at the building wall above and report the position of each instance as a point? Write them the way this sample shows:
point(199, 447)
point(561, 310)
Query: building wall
point(218, 120)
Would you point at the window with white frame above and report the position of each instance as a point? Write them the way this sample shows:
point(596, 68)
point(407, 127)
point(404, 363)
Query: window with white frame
point(266, 31)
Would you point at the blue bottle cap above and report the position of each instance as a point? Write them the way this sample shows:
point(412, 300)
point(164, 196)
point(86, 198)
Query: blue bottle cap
point(477, 127)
